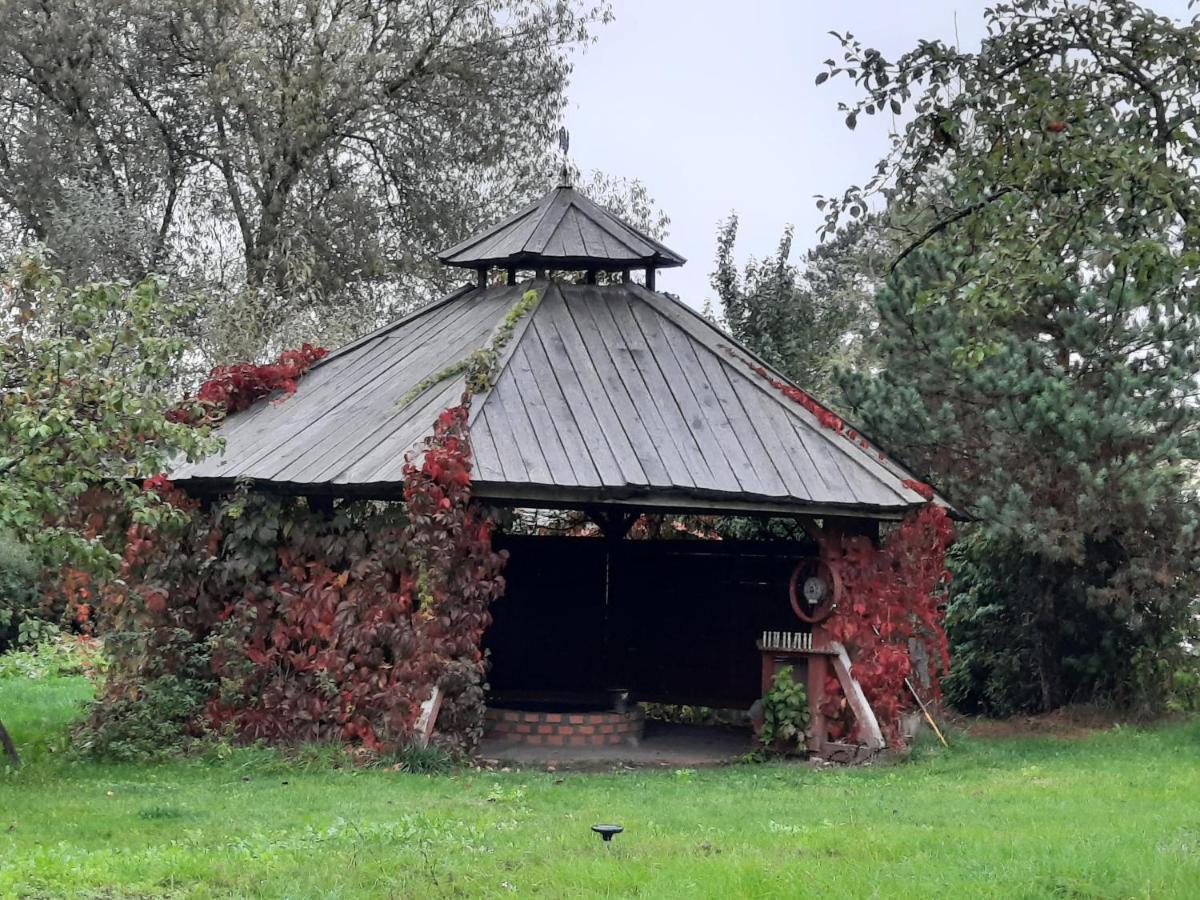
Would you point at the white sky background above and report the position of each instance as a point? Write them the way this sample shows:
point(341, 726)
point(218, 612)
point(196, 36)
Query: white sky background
point(711, 103)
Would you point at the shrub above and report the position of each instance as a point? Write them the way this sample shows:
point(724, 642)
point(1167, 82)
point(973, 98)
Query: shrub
point(1185, 687)
point(160, 719)
point(19, 576)
point(785, 710)
point(1107, 655)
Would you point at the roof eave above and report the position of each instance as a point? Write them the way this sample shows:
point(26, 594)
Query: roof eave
point(570, 263)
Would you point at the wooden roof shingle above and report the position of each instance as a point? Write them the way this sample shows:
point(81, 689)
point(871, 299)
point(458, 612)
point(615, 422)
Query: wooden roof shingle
point(563, 230)
point(605, 394)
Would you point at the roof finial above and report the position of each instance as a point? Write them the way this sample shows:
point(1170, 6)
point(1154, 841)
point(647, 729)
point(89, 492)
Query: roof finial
point(564, 145)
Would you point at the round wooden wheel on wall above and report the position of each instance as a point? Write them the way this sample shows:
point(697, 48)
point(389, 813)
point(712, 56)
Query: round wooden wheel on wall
point(814, 590)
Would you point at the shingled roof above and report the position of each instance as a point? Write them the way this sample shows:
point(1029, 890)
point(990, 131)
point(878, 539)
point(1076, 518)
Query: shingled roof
point(563, 230)
point(610, 394)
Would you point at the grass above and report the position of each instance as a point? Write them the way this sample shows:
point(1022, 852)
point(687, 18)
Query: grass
point(1113, 815)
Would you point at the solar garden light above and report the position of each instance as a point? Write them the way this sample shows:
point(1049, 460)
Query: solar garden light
point(607, 831)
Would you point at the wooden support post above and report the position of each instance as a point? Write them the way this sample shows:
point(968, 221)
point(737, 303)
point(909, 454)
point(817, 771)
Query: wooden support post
point(9, 748)
point(481, 280)
point(321, 503)
point(591, 276)
point(627, 276)
point(817, 671)
point(649, 278)
point(512, 275)
point(540, 274)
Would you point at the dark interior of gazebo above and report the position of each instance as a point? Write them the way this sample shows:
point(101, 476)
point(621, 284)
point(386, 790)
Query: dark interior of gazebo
point(668, 621)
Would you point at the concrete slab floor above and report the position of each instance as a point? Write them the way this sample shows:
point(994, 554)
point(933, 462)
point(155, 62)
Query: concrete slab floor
point(664, 744)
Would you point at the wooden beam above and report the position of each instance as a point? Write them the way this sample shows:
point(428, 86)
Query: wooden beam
point(868, 726)
point(615, 523)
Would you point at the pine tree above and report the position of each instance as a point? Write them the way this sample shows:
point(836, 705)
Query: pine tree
point(1039, 331)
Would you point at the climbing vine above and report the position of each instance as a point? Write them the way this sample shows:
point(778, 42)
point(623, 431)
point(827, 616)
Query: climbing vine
point(231, 389)
point(892, 600)
point(480, 364)
point(287, 623)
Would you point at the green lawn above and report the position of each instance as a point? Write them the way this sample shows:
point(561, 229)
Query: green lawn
point(1114, 815)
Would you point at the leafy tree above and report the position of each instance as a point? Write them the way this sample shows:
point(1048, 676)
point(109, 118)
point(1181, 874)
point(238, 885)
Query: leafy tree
point(1040, 327)
point(299, 158)
point(81, 410)
point(83, 407)
point(802, 319)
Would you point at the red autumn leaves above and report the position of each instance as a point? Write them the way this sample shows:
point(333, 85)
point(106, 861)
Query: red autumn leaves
point(231, 389)
point(892, 594)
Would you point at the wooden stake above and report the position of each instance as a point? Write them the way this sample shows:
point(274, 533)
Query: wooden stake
point(10, 749)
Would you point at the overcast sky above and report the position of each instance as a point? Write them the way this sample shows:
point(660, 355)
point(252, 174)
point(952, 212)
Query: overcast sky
point(711, 103)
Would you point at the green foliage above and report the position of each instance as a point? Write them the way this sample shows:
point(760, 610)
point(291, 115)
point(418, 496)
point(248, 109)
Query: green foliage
point(785, 710)
point(86, 373)
point(159, 715)
point(1185, 687)
point(19, 581)
point(54, 655)
point(430, 760)
point(480, 364)
point(801, 319)
point(1039, 334)
point(308, 138)
point(157, 721)
point(992, 646)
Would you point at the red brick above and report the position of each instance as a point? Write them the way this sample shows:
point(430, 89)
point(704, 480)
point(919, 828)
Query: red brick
point(523, 729)
point(532, 717)
point(576, 720)
point(534, 739)
point(587, 729)
point(608, 729)
point(553, 717)
point(545, 729)
point(566, 729)
point(556, 739)
point(578, 740)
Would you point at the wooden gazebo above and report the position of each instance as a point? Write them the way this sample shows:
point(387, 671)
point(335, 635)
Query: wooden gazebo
point(611, 398)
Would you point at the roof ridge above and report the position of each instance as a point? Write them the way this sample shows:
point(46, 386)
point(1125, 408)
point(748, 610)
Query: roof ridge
point(591, 218)
point(480, 237)
point(656, 246)
point(881, 456)
point(549, 221)
point(506, 353)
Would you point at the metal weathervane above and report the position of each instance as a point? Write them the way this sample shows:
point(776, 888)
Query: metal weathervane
point(564, 146)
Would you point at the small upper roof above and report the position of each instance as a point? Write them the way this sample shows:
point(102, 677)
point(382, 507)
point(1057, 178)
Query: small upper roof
point(563, 230)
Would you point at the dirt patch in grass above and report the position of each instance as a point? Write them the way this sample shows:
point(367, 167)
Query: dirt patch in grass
point(1071, 723)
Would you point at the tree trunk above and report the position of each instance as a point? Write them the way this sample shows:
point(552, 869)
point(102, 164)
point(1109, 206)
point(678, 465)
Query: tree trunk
point(10, 749)
point(1048, 656)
